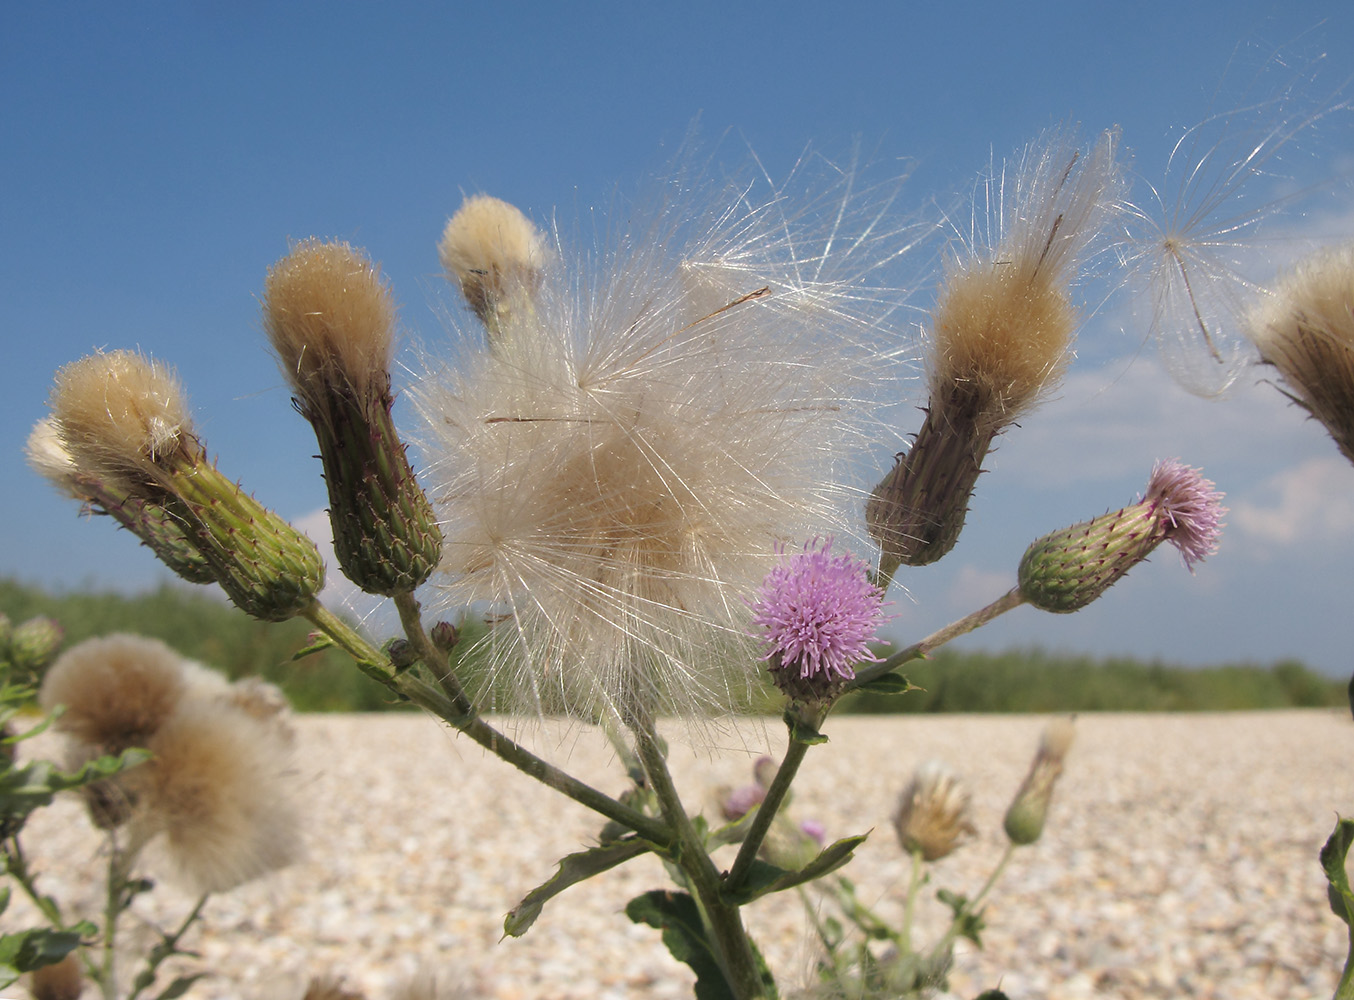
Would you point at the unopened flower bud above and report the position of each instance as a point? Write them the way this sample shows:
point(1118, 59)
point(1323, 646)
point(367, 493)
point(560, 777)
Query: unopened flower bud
point(1068, 569)
point(330, 318)
point(123, 419)
point(933, 816)
point(496, 255)
point(789, 845)
point(401, 653)
point(1002, 335)
point(34, 644)
point(445, 636)
point(1029, 809)
point(818, 613)
point(1305, 329)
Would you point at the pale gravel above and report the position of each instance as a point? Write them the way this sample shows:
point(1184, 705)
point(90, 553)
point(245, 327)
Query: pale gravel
point(1180, 860)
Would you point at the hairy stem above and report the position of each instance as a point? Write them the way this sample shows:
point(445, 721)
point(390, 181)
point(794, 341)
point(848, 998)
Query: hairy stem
point(910, 904)
point(919, 650)
point(454, 708)
point(725, 923)
point(766, 812)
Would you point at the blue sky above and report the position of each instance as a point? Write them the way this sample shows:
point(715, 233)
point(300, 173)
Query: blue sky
point(157, 159)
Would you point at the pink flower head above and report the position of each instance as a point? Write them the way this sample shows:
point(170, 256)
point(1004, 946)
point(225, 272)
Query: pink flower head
point(818, 613)
point(1190, 508)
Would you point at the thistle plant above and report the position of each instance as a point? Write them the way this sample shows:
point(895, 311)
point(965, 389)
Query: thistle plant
point(642, 473)
point(933, 820)
point(161, 750)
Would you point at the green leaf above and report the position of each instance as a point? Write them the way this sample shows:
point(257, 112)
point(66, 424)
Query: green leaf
point(1333, 862)
point(966, 923)
point(802, 730)
point(573, 869)
point(23, 789)
point(179, 986)
point(29, 950)
point(677, 916)
point(764, 879)
point(319, 642)
point(890, 683)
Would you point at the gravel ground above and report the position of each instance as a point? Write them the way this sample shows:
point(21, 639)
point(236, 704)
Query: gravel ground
point(1179, 860)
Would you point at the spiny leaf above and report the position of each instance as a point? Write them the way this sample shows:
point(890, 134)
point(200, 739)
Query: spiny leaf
point(677, 916)
point(763, 878)
point(573, 869)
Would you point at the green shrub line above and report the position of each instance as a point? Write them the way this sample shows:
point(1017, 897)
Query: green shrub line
point(213, 632)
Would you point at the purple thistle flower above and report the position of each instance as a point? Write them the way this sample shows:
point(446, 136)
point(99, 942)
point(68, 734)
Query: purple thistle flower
point(1068, 569)
point(818, 613)
point(1191, 508)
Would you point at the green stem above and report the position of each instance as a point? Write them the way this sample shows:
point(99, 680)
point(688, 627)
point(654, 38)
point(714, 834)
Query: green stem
point(451, 705)
point(727, 933)
point(766, 813)
point(120, 862)
point(1011, 599)
point(16, 864)
point(910, 904)
point(169, 946)
point(1344, 990)
point(975, 904)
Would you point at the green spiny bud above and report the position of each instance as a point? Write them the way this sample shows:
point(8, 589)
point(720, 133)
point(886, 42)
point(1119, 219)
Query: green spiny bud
point(1068, 569)
point(34, 644)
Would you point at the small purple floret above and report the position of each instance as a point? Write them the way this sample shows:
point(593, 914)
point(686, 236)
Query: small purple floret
point(1190, 505)
point(818, 613)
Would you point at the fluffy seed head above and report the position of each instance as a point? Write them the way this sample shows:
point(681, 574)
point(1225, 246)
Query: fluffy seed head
point(331, 319)
point(117, 690)
point(614, 472)
point(493, 252)
point(818, 613)
point(1305, 329)
point(217, 789)
point(49, 458)
point(1004, 321)
point(119, 415)
point(934, 812)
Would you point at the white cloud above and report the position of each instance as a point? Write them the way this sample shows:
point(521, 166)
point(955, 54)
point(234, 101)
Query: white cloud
point(1310, 501)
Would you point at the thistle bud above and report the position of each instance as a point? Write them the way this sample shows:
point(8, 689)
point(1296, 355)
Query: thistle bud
point(1305, 329)
point(149, 522)
point(34, 644)
point(1029, 809)
point(445, 636)
point(124, 422)
point(1068, 569)
point(330, 318)
point(61, 980)
point(496, 255)
point(1002, 334)
point(933, 816)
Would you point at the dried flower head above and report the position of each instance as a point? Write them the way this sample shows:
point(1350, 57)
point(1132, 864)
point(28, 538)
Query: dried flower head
point(1025, 818)
point(1002, 333)
point(495, 254)
point(934, 812)
point(61, 980)
point(120, 415)
point(117, 690)
point(330, 318)
point(616, 469)
point(217, 788)
point(818, 613)
point(1305, 329)
point(124, 422)
point(1068, 569)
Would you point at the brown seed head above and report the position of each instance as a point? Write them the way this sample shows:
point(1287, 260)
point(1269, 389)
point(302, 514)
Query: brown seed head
point(933, 813)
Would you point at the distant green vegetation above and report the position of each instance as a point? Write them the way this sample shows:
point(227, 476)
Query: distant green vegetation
point(206, 629)
point(1032, 680)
